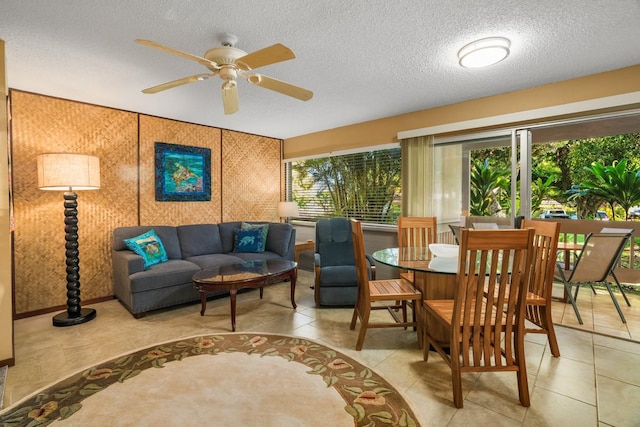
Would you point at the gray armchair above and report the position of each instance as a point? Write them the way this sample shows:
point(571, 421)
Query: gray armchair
point(336, 282)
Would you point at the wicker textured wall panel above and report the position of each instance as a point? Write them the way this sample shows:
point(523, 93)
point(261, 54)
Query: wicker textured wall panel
point(154, 129)
point(251, 183)
point(251, 172)
point(43, 125)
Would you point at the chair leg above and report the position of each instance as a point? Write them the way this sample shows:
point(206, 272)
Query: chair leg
point(523, 383)
point(615, 301)
point(624, 294)
point(363, 332)
point(551, 332)
point(456, 380)
point(573, 301)
point(523, 387)
point(426, 343)
point(404, 313)
point(354, 318)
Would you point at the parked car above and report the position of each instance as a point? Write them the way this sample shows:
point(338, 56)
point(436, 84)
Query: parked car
point(554, 213)
point(634, 212)
point(602, 215)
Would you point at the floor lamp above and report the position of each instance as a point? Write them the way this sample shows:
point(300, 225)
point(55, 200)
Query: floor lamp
point(70, 172)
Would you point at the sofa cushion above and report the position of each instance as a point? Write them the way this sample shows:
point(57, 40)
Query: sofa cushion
point(256, 256)
point(339, 275)
point(199, 239)
point(149, 246)
point(216, 260)
point(228, 234)
point(279, 237)
point(249, 240)
point(264, 229)
point(166, 233)
point(170, 273)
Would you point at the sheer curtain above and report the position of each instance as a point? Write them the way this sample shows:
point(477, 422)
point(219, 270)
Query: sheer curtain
point(417, 176)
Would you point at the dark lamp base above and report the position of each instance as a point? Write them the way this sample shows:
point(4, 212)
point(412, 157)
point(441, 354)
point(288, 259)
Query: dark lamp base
point(63, 319)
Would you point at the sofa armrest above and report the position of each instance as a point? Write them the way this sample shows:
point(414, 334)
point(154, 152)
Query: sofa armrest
point(124, 264)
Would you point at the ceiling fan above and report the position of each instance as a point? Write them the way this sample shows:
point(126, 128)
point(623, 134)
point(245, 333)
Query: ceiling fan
point(229, 63)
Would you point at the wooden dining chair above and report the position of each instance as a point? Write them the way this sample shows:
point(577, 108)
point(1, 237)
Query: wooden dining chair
point(416, 232)
point(373, 294)
point(538, 307)
point(485, 328)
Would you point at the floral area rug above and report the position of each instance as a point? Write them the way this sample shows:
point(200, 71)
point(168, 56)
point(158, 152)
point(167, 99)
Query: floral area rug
point(241, 379)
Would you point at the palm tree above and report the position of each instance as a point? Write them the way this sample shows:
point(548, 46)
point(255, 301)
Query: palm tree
point(614, 183)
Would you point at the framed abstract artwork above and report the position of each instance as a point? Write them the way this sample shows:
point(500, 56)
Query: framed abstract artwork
point(182, 173)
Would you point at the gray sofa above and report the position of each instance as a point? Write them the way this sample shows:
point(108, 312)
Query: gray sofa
point(190, 248)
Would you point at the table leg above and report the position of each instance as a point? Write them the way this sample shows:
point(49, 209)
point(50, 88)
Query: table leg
point(294, 277)
point(203, 302)
point(261, 292)
point(232, 297)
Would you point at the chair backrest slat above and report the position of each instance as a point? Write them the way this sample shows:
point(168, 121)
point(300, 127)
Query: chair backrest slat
point(417, 232)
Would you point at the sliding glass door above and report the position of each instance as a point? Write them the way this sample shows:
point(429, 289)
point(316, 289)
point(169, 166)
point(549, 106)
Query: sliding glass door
point(479, 175)
point(490, 174)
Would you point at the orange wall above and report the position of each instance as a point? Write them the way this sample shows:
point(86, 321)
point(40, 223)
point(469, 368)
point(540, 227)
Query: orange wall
point(384, 131)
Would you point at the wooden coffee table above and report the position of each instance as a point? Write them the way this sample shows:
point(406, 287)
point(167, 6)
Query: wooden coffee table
point(249, 274)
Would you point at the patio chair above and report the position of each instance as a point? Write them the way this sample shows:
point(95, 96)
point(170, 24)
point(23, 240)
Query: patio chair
point(390, 294)
point(487, 222)
point(595, 264)
point(455, 229)
point(485, 322)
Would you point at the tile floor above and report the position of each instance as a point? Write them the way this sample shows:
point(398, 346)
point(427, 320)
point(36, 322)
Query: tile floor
point(595, 382)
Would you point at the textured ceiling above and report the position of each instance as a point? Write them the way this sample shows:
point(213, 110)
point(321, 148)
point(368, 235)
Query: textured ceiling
point(362, 59)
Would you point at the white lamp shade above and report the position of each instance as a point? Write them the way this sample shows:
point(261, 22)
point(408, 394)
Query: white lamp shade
point(287, 209)
point(68, 172)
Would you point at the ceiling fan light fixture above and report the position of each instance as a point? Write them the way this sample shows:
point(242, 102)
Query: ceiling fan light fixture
point(254, 79)
point(229, 85)
point(484, 52)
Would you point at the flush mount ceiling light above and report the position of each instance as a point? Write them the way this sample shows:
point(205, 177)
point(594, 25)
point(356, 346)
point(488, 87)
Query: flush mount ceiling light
point(484, 52)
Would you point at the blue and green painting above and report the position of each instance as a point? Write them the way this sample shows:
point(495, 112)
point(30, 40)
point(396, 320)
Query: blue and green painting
point(182, 173)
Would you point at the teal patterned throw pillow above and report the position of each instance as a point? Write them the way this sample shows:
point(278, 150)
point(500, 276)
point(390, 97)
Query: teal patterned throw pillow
point(248, 240)
point(149, 247)
point(264, 228)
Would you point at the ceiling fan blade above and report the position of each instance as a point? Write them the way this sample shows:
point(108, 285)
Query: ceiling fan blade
point(203, 61)
point(280, 86)
point(267, 56)
point(174, 83)
point(230, 96)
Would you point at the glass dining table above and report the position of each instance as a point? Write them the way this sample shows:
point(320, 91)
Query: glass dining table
point(434, 277)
